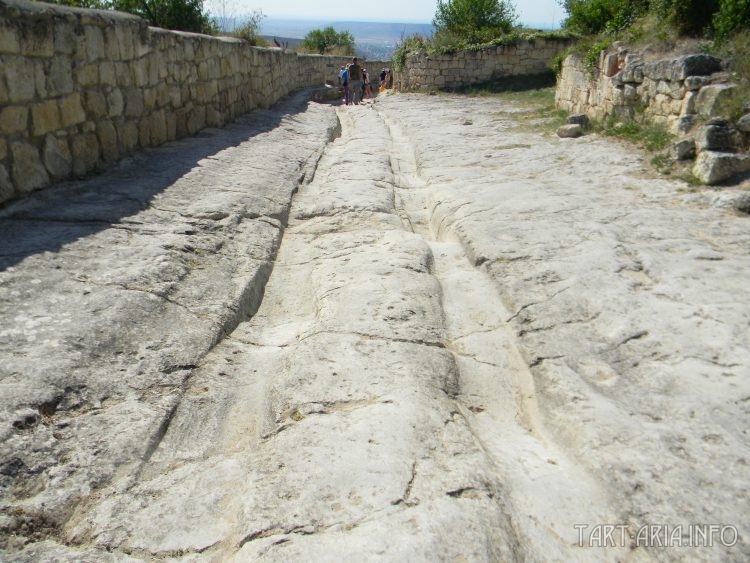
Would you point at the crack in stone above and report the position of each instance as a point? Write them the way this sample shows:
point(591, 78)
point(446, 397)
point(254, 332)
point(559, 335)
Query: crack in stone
point(523, 332)
point(547, 300)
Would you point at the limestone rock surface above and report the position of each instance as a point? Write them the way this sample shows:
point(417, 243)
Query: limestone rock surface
point(451, 343)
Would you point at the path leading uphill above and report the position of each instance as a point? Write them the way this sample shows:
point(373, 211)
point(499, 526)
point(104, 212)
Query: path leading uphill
point(415, 330)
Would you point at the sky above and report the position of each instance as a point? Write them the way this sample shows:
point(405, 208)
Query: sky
point(546, 12)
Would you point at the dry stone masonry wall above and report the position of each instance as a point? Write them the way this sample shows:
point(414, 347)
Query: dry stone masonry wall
point(81, 88)
point(527, 57)
point(689, 94)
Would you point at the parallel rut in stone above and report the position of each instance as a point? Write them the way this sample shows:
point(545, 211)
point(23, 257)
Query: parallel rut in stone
point(375, 407)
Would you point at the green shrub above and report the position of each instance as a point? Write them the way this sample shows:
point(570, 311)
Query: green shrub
point(732, 16)
point(594, 16)
point(476, 21)
point(328, 41)
point(687, 17)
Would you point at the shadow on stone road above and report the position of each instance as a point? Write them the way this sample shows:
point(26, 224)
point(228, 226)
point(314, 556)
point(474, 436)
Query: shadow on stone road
point(46, 220)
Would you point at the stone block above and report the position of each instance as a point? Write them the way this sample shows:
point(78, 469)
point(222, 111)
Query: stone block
point(6, 187)
point(685, 123)
point(688, 103)
point(115, 103)
point(94, 41)
point(158, 128)
point(94, 103)
point(19, 78)
point(714, 100)
point(695, 65)
point(717, 138)
point(9, 39)
point(60, 76)
point(3, 149)
point(570, 131)
point(696, 82)
point(134, 102)
point(743, 123)
point(107, 73)
point(45, 117)
point(14, 119)
point(87, 75)
point(57, 157)
point(71, 110)
point(38, 40)
point(128, 135)
point(578, 119)
point(144, 132)
point(40, 79)
point(85, 153)
point(682, 150)
point(712, 167)
point(28, 172)
point(107, 135)
point(66, 39)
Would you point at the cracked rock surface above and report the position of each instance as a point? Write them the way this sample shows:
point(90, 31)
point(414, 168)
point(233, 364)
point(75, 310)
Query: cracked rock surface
point(410, 330)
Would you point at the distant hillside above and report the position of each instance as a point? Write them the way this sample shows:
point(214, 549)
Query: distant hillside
point(374, 40)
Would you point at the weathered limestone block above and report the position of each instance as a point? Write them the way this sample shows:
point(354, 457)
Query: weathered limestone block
point(94, 40)
point(570, 131)
point(71, 110)
point(696, 82)
point(57, 157)
point(714, 100)
point(107, 73)
point(713, 167)
point(28, 172)
point(38, 40)
point(134, 104)
point(45, 117)
point(86, 75)
point(158, 128)
point(743, 123)
point(6, 187)
point(717, 137)
point(14, 119)
point(9, 39)
point(107, 135)
point(682, 150)
point(85, 153)
point(115, 103)
point(3, 149)
point(127, 132)
point(94, 103)
point(60, 77)
point(19, 78)
point(697, 64)
point(66, 39)
point(688, 103)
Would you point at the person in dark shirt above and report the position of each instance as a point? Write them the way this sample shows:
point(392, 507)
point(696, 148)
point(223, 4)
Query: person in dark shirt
point(354, 71)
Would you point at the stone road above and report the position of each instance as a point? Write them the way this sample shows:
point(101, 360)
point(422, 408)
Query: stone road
point(417, 329)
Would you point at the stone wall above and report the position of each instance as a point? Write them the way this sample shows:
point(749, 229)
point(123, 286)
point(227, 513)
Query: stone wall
point(678, 92)
point(426, 72)
point(79, 89)
point(690, 94)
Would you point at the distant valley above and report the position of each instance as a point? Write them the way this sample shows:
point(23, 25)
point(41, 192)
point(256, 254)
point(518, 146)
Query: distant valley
point(374, 40)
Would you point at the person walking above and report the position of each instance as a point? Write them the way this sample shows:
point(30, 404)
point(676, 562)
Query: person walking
point(344, 82)
point(354, 72)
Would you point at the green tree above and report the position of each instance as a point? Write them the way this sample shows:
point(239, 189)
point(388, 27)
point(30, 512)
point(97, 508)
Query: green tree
point(328, 41)
point(182, 15)
point(475, 20)
point(250, 30)
point(593, 16)
point(733, 15)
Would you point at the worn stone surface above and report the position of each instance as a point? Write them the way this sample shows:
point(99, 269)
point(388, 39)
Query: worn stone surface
point(713, 167)
point(743, 123)
point(572, 130)
point(453, 343)
point(683, 149)
point(717, 137)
